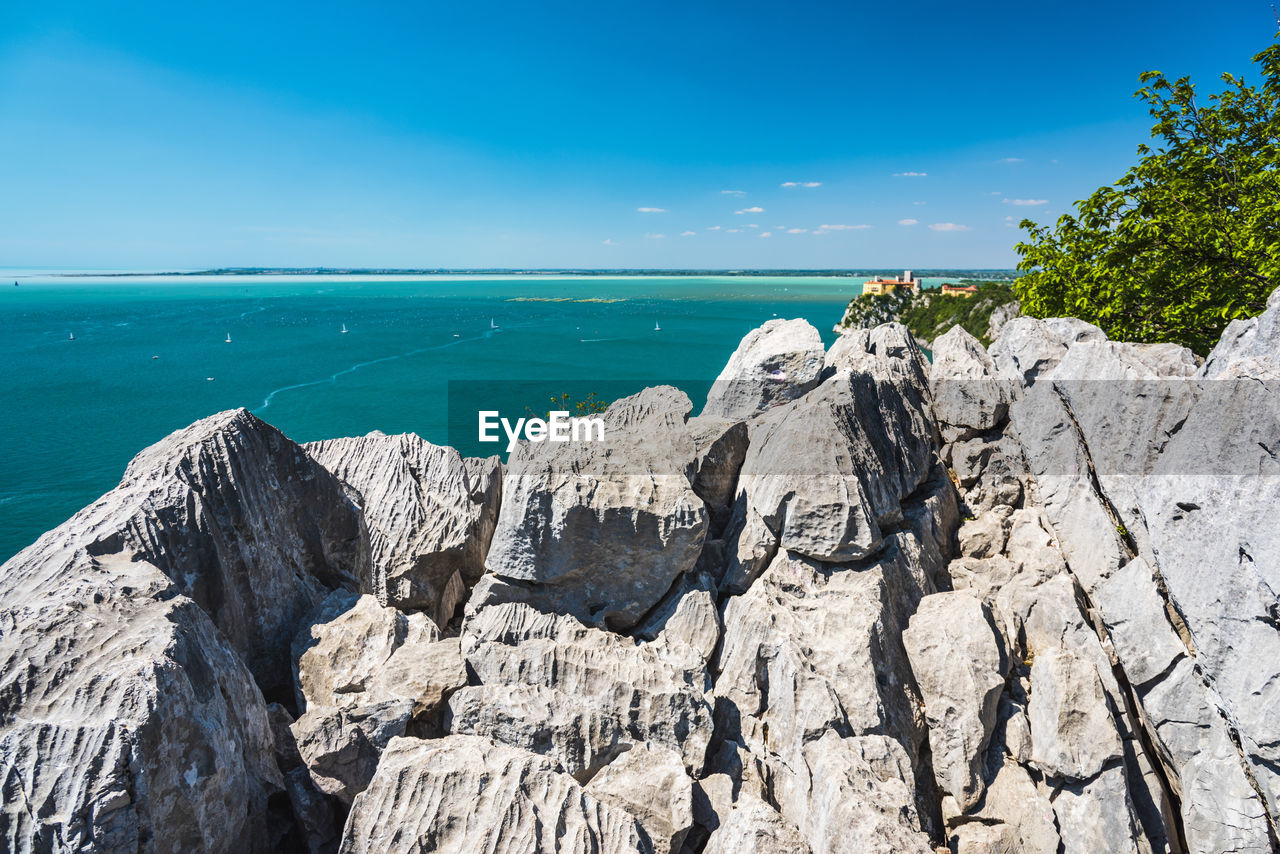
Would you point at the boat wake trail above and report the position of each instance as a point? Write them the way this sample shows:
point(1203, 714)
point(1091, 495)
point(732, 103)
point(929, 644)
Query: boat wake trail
point(332, 378)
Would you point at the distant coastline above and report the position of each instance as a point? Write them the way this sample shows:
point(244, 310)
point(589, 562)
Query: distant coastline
point(515, 271)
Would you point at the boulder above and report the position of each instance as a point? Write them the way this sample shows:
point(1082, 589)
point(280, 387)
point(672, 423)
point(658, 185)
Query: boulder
point(825, 475)
point(774, 364)
point(128, 721)
point(650, 784)
point(600, 530)
point(370, 674)
point(969, 396)
point(430, 515)
point(244, 523)
point(1000, 317)
point(462, 793)
point(959, 667)
point(1015, 818)
point(753, 825)
point(1072, 734)
point(1029, 348)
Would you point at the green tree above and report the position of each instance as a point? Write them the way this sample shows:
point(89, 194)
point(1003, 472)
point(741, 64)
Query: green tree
point(1189, 238)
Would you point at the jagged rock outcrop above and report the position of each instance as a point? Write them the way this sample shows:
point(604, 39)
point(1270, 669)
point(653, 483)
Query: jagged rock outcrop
point(366, 674)
point(134, 640)
point(1117, 444)
point(1018, 601)
point(774, 364)
point(600, 530)
point(462, 794)
point(430, 515)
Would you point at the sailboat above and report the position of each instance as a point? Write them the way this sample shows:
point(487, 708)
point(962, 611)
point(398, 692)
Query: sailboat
point(71, 336)
point(344, 329)
point(228, 341)
point(492, 325)
point(657, 328)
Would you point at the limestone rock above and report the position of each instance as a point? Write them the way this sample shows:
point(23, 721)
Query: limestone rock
point(462, 794)
point(128, 721)
point(430, 515)
point(634, 685)
point(959, 668)
point(650, 784)
point(753, 825)
point(1071, 730)
point(720, 446)
point(826, 474)
point(242, 520)
point(1028, 347)
point(367, 676)
point(1097, 817)
point(774, 364)
point(1015, 818)
point(969, 396)
point(1000, 317)
point(542, 720)
point(600, 530)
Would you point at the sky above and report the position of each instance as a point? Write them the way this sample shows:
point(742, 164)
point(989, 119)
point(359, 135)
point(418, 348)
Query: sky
point(809, 135)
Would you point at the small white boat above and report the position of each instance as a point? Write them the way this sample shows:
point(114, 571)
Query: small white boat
point(344, 329)
point(71, 336)
point(228, 341)
point(492, 325)
point(657, 328)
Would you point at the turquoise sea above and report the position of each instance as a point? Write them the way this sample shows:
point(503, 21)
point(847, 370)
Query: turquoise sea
point(150, 356)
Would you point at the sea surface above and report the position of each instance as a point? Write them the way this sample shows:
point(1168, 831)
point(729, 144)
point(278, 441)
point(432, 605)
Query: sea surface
point(150, 356)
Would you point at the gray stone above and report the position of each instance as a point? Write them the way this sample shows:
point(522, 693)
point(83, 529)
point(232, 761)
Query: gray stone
point(600, 530)
point(753, 825)
point(969, 396)
point(774, 364)
point(1000, 317)
point(1029, 348)
point(651, 784)
point(959, 667)
point(430, 515)
point(462, 794)
point(1072, 734)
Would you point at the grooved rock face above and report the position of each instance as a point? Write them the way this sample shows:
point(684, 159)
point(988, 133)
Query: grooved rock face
point(461, 794)
point(645, 696)
point(128, 722)
point(430, 515)
point(365, 676)
point(774, 364)
point(969, 397)
point(241, 520)
point(600, 530)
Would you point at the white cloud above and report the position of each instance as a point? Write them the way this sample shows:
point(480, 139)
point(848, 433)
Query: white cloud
point(908, 222)
point(756, 209)
point(714, 228)
point(655, 236)
point(652, 210)
point(732, 230)
point(996, 193)
point(752, 225)
point(843, 227)
point(910, 174)
point(766, 234)
point(733, 192)
point(1011, 160)
point(608, 241)
point(688, 233)
point(790, 184)
point(948, 226)
point(919, 203)
point(1026, 202)
point(796, 230)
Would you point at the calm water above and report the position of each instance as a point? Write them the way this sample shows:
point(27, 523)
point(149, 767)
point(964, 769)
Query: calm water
point(149, 357)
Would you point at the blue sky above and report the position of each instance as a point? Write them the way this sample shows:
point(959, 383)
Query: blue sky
point(657, 134)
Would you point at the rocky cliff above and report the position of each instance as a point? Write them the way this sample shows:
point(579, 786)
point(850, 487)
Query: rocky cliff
point(1014, 600)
